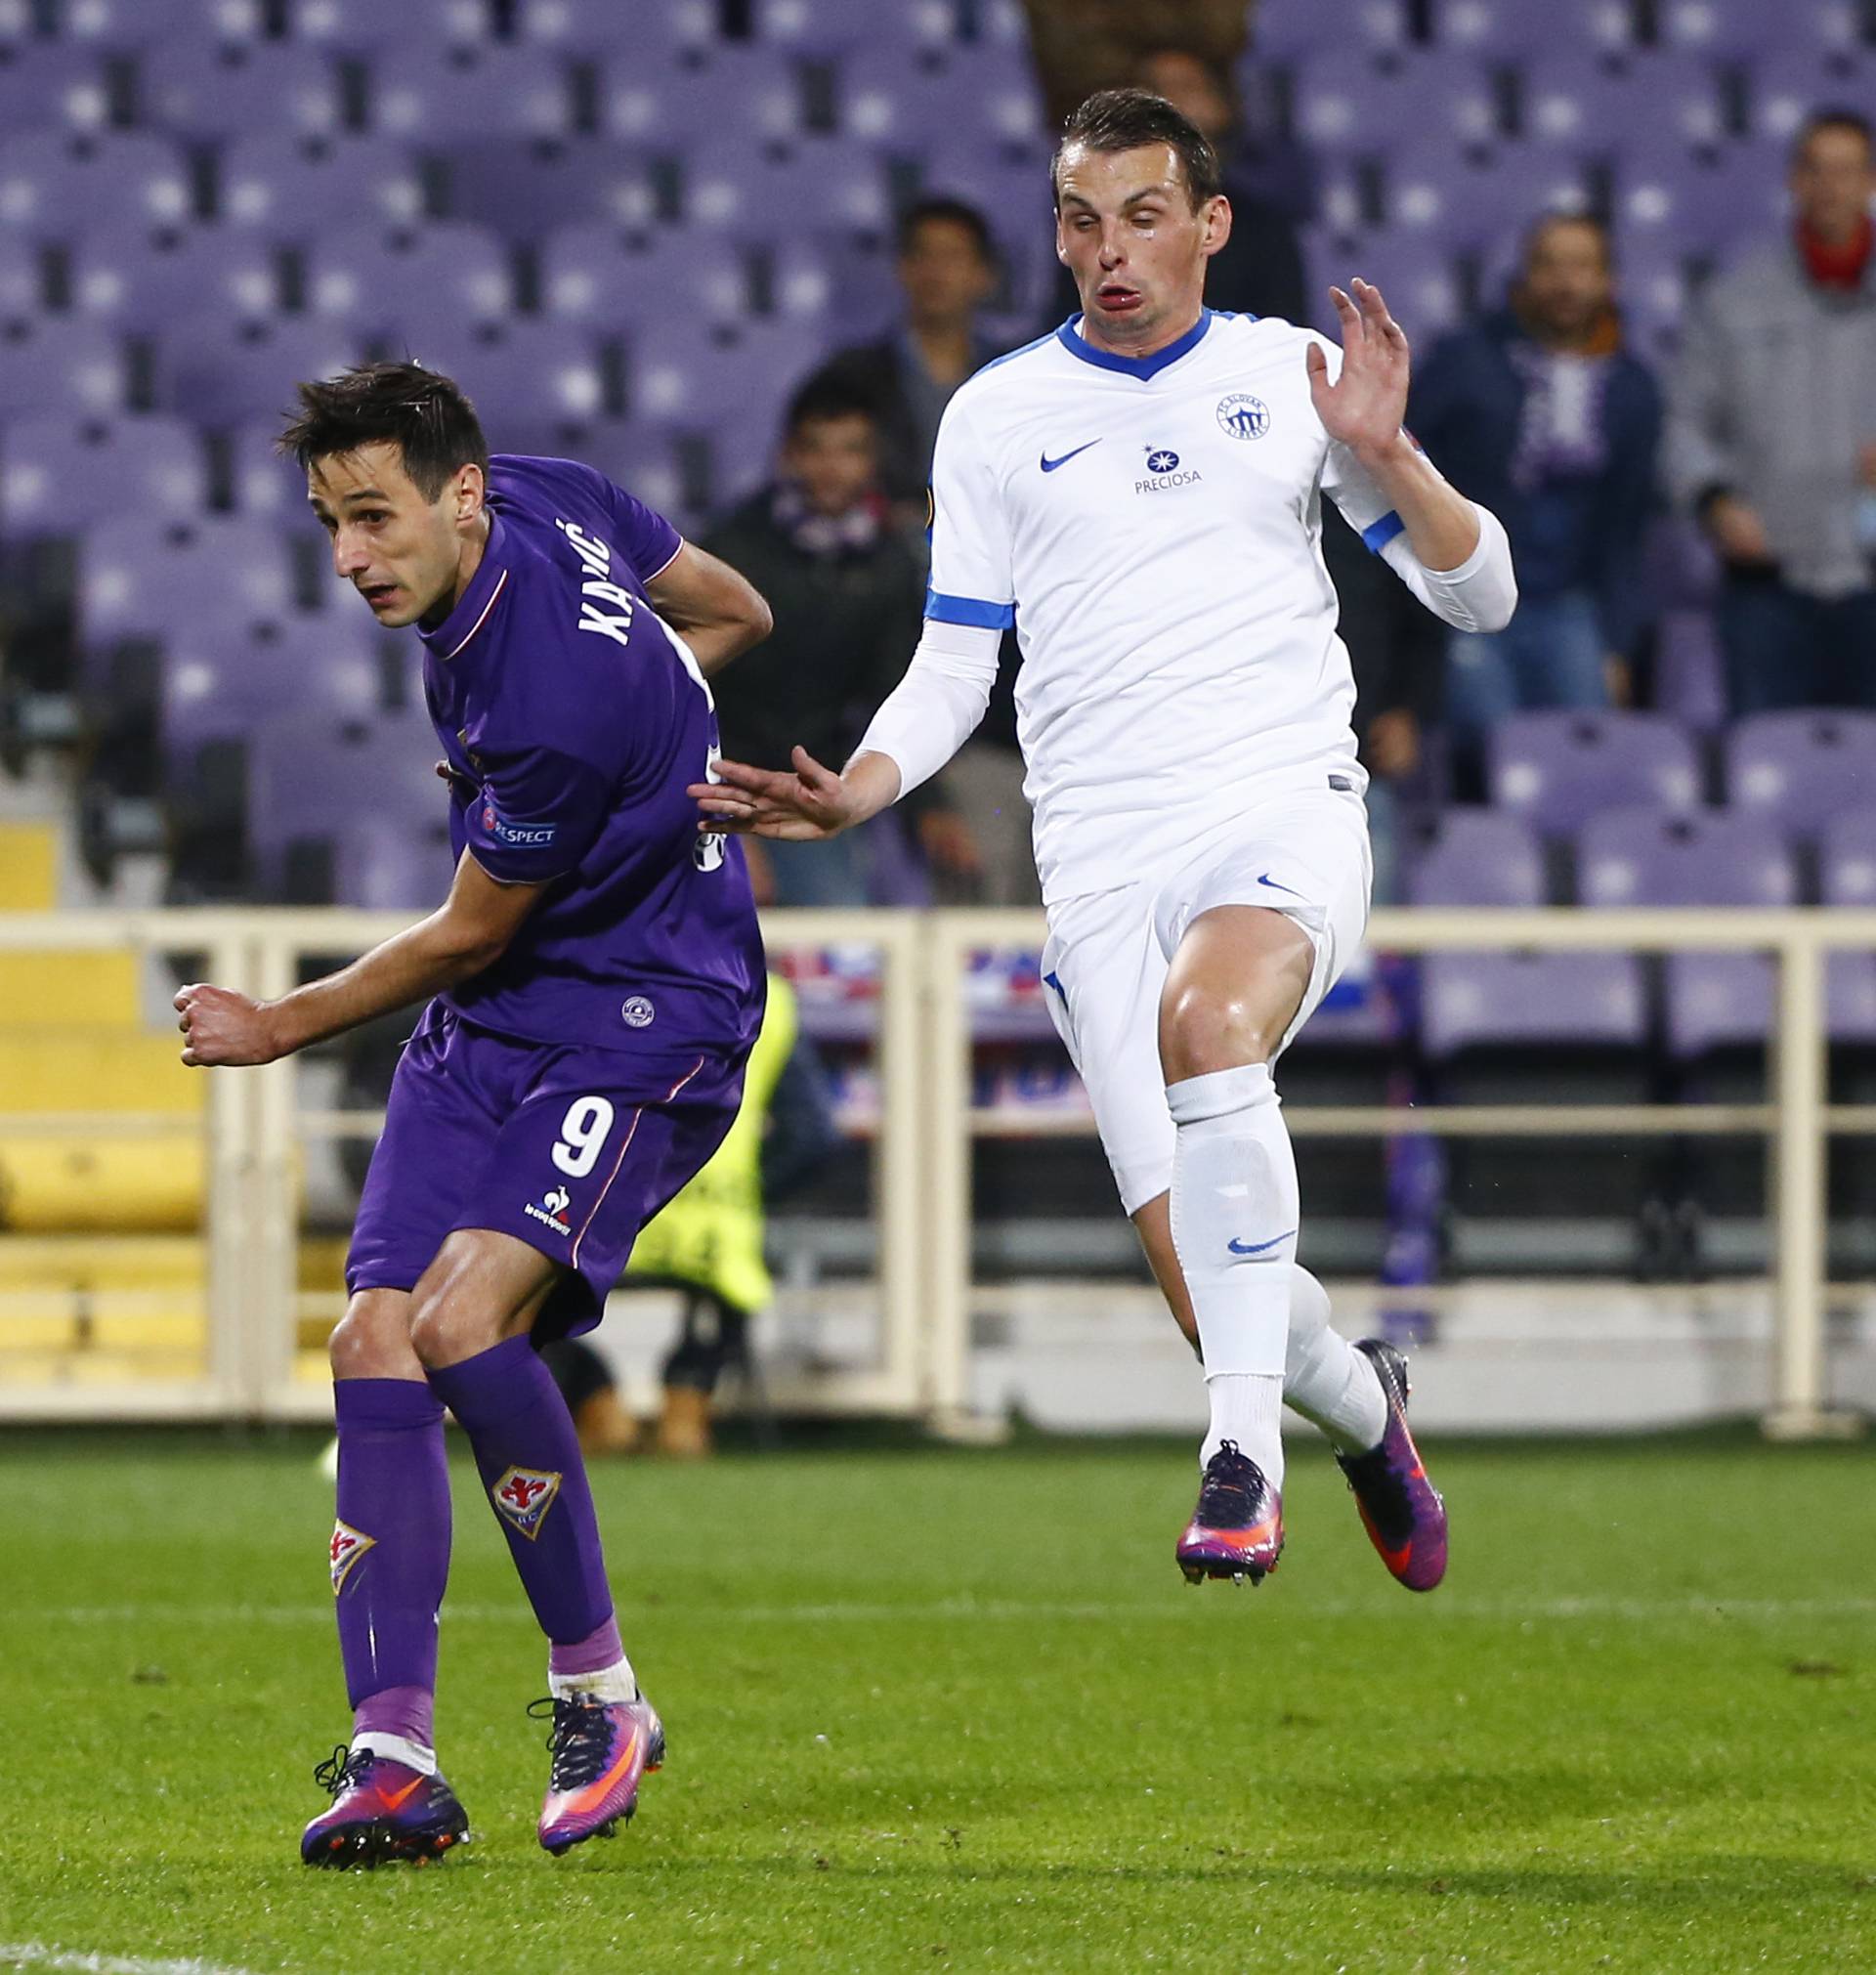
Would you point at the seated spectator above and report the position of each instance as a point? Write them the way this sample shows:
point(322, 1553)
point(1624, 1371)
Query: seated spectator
point(1259, 271)
point(947, 268)
point(847, 589)
point(1772, 445)
point(1540, 415)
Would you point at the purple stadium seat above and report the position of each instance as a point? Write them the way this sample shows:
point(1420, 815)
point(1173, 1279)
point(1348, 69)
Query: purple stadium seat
point(1697, 208)
point(1288, 30)
point(536, 385)
point(146, 24)
point(1708, 857)
point(1541, 1000)
point(1800, 769)
point(1560, 768)
point(737, 384)
point(263, 485)
point(356, 780)
point(1341, 105)
point(362, 27)
point(1688, 677)
point(147, 578)
point(1722, 28)
point(456, 97)
point(60, 475)
point(656, 31)
point(50, 181)
point(594, 276)
point(221, 371)
point(400, 284)
point(513, 185)
point(1847, 876)
point(740, 92)
point(53, 367)
point(1479, 857)
point(832, 188)
point(23, 277)
point(953, 95)
point(1785, 84)
point(1574, 103)
point(1420, 282)
point(284, 186)
point(1511, 28)
point(201, 91)
point(53, 88)
point(142, 281)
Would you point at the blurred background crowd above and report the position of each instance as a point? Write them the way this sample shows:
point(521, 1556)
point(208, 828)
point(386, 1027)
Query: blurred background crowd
point(738, 253)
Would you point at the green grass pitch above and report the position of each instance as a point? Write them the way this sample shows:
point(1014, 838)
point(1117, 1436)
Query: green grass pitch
point(934, 1709)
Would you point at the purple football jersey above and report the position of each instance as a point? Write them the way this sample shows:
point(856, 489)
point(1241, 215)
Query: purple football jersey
point(571, 723)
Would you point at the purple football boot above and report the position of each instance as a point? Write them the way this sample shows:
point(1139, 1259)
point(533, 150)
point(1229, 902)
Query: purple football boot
point(1237, 1529)
point(382, 1811)
point(1400, 1508)
point(600, 1749)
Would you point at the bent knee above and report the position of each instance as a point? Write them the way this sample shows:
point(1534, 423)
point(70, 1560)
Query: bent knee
point(1204, 1028)
point(372, 1340)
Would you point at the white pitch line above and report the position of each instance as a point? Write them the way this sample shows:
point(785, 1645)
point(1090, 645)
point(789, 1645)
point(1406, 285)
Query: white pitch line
point(39, 1955)
point(1176, 1605)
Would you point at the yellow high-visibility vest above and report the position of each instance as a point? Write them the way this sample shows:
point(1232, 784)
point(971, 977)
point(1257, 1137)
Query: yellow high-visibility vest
point(711, 1234)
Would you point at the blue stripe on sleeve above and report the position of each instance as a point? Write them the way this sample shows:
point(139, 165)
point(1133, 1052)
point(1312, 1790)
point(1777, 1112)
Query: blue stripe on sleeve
point(1378, 534)
point(974, 611)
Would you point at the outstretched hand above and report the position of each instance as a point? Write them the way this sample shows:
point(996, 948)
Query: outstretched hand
point(799, 805)
point(1365, 407)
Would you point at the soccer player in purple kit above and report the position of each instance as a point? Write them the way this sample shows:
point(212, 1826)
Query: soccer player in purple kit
point(594, 980)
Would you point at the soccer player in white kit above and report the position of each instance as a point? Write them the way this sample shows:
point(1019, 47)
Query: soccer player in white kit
point(1140, 493)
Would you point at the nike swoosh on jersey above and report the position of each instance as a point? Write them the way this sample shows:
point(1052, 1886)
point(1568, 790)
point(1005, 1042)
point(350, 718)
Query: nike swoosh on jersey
point(1238, 1247)
point(1049, 465)
point(1266, 879)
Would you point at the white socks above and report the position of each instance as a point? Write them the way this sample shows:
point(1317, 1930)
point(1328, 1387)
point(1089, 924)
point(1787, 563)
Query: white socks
point(617, 1682)
point(398, 1748)
point(1326, 1378)
point(1234, 1227)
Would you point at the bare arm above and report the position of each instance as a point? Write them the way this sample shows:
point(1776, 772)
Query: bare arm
point(720, 612)
point(468, 932)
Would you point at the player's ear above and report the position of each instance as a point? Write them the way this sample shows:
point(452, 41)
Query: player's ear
point(1214, 225)
point(469, 492)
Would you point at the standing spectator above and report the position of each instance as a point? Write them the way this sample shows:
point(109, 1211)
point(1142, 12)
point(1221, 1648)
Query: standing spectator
point(1542, 415)
point(947, 268)
point(1773, 441)
point(847, 589)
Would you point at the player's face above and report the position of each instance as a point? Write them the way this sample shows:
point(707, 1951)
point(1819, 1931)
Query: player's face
point(1126, 230)
point(945, 278)
point(833, 461)
point(403, 554)
point(1566, 288)
point(1832, 183)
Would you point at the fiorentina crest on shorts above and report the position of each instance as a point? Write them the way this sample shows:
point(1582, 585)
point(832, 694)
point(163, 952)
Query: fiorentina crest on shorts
point(523, 1496)
point(348, 1546)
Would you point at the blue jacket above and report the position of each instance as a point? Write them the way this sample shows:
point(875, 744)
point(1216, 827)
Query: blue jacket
point(1573, 527)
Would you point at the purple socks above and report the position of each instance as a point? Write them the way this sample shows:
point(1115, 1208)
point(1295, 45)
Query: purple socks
point(390, 1549)
point(529, 1456)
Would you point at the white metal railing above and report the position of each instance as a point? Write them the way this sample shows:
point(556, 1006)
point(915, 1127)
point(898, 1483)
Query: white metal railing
point(256, 1130)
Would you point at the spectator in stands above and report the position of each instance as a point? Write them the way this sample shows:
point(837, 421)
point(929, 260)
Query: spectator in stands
point(1541, 414)
point(1772, 438)
point(947, 271)
point(847, 589)
point(1081, 46)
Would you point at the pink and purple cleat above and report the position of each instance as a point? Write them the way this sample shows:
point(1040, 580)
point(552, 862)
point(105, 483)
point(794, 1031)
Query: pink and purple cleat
point(1400, 1508)
point(382, 1812)
point(601, 1750)
point(1236, 1531)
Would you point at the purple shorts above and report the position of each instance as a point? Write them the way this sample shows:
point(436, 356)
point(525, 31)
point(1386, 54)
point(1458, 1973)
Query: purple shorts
point(569, 1149)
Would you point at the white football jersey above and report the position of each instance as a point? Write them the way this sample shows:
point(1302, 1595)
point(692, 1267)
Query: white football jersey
point(1152, 527)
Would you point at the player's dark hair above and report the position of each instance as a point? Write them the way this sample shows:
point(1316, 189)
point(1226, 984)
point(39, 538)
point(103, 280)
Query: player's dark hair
point(1123, 120)
point(1833, 116)
point(939, 210)
point(425, 414)
point(826, 396)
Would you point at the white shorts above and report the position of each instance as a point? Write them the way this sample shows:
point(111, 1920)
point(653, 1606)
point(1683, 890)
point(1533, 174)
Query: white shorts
point(1108, 953)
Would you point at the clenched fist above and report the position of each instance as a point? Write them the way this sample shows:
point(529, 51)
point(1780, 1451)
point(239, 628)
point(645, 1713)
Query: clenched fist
point(220, 1027)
